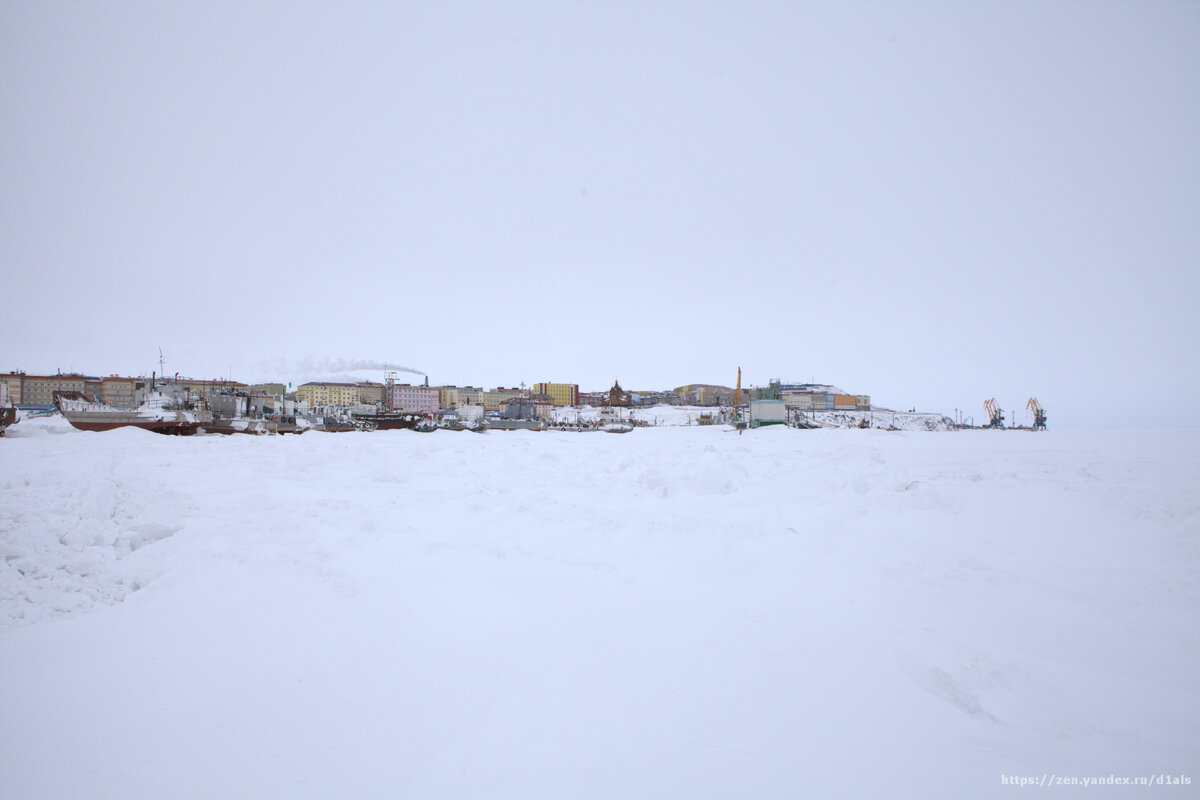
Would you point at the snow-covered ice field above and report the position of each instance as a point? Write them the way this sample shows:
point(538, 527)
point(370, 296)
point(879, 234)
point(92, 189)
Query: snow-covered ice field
point(672, 613)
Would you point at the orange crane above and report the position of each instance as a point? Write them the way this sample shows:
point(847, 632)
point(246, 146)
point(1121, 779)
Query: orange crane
point(737, 394)
point(1039, 414)
point(995, 415)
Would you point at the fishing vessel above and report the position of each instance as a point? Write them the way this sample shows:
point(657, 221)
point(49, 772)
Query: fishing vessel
point(160, 406)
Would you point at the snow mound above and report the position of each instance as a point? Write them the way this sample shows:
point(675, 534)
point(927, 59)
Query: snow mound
point(684, 611)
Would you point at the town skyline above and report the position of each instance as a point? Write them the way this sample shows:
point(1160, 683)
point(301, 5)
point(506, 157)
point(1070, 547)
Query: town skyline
point(936, 203)
point(387, 378)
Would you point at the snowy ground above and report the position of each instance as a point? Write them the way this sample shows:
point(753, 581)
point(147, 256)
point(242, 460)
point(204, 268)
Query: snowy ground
point(690, 415)
point(675, 612)
point(886, 419)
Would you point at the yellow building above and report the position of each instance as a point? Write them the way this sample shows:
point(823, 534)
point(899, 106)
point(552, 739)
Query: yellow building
point(561, 394)
point(12, 383)
point(38, 390)
point(469, 396)
point(318, 394)
point(370, 393)
point(495, 399)
point(448, 397)
point(118, 391)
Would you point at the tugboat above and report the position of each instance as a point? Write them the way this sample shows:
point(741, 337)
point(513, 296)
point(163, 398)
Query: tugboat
point(162, 407)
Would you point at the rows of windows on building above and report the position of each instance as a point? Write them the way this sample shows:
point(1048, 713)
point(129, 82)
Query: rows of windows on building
point(37, 391)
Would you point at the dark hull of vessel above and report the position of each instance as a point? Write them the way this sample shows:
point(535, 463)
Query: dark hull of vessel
point(158, 426)
point(157, 412)
point(333, 425)
point(516, 425)
point(254, 427)
point(392, 422)
point(7, 417)
point(227, 427)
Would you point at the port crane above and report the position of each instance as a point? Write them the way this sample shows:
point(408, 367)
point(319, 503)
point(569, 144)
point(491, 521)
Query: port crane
point(995, 415)
point(1039, 414)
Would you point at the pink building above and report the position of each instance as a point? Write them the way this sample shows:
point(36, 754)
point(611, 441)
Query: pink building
point(415, 399)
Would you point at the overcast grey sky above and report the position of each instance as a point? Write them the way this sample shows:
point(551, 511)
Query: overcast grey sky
point(931, 203)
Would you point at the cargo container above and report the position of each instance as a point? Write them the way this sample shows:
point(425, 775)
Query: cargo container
point(767, 412)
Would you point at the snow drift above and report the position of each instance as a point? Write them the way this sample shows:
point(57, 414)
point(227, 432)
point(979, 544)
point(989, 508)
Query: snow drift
point(679, 612)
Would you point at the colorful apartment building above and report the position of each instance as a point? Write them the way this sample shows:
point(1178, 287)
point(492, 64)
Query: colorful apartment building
point(317, 394)
point(370, 393)
point(37, 391)
point(12, 386)
point(447, 398)
point(413, 399)
point(469, 396)
point(561, 394)
point(118, 391)
point(824, 401)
